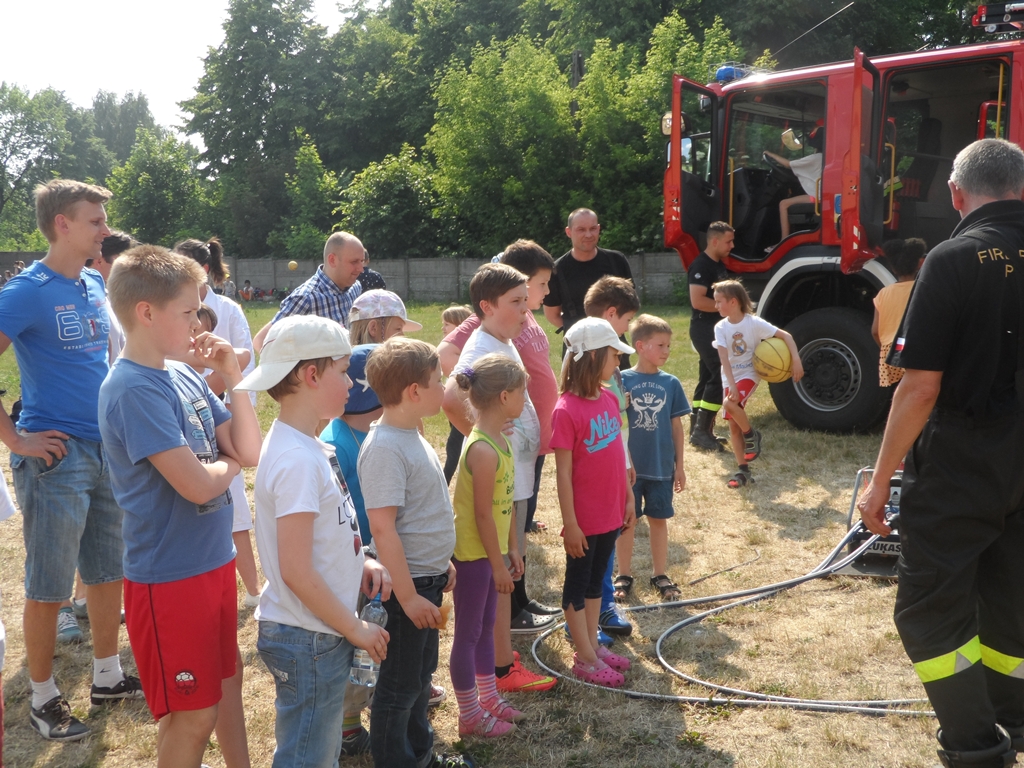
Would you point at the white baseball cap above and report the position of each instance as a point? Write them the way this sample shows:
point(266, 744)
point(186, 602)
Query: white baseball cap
point(593, 333)
point(379, 303)
point(291, 340)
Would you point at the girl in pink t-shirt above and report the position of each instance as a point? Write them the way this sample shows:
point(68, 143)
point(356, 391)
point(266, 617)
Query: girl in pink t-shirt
point(590, 466)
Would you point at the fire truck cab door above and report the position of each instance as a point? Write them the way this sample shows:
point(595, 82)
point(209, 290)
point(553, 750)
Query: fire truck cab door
point(692, 200)
point(862, 210)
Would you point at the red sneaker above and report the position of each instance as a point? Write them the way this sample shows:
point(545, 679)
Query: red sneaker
point(520, 679)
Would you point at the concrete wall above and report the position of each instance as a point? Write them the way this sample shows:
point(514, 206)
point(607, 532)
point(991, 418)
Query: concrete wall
point(427, 280)
point(447, 280)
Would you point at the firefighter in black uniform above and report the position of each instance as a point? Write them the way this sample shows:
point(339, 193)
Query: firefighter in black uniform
point(706, 270)
point(958, 418)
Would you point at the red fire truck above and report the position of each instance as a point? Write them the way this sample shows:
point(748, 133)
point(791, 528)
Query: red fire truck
point(892, 128)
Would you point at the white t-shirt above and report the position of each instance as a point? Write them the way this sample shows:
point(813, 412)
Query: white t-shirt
point(298, 473)
point(739, 340)
point(233, 327)
point(526, 437)
point(116, 338)
point(807, 170)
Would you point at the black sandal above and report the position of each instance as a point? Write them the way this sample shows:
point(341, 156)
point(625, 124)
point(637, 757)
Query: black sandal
point(623, 586)
point(669, 591)
point(740, 479)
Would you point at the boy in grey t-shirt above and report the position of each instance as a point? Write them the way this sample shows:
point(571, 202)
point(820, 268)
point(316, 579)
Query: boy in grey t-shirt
point(413, 529)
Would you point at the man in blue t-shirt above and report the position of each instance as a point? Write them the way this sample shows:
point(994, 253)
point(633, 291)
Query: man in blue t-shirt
point(54, 314)
point(656, 442)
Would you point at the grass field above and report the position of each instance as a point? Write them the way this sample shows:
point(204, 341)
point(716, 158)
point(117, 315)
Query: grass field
point(830, 639)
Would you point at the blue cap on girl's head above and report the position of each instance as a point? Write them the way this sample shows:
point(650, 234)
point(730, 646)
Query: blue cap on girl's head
point(361, 399)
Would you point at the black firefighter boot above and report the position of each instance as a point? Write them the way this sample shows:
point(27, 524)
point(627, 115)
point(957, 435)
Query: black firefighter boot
point(723, 442)
point(1002, 755)
point(1016, 737)
point(701, 437)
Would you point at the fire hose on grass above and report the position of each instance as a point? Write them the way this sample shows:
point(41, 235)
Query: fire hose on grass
point(727, 696)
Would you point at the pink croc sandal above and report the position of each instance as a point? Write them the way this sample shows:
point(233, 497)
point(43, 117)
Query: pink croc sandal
point(597, 674)
point(613, 660)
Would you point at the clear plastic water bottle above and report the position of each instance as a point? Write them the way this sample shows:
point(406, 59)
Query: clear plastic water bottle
point(364, 668)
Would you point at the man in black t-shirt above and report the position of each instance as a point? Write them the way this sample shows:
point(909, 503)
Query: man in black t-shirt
point(959, 411)
point(706, 270)
point(578, 269)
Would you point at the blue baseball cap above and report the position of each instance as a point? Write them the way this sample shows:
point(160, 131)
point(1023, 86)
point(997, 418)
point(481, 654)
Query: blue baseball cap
point(361, 399)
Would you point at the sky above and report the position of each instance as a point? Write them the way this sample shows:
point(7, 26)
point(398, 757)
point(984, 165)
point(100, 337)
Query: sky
point(118, 45)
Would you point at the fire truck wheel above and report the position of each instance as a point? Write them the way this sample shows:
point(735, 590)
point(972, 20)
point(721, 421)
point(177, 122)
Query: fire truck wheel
point(839, 391)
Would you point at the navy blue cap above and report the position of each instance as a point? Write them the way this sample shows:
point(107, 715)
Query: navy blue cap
point(361, 399)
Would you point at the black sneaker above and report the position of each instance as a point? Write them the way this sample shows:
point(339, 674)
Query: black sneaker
point(55, 722)
point(451, 761)
point(539, 609)
point(357, 743)
point(527, 623)
point(129, 688)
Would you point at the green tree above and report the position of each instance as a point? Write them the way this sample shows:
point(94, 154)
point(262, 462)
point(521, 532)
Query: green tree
point(503, 144)
point(379, 98)
point(260, 83)
point(313, 193)
point(32, 136)
point(84, 155)
point(117, 121)
point(622, 149)
point(158, 195)
point(264, 80)
point(392, 206)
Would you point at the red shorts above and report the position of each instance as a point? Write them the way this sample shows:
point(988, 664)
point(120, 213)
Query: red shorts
point(746, 388)
point(184, 635)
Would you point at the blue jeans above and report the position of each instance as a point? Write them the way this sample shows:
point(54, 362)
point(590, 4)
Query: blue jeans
point(310, 671)
point(607, 589)
point(69, 519)
point(400, 733)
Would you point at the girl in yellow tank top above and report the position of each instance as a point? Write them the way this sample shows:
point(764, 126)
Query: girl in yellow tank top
point(484, 534)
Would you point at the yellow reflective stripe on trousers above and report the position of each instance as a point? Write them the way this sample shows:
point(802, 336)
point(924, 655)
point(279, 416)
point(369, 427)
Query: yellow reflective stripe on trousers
point(1011, 666)
point(948, 664)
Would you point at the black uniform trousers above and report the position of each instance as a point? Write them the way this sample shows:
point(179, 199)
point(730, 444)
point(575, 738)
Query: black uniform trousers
point(960, 600)
point(708, 392)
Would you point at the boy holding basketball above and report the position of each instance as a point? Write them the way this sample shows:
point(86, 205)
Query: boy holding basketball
point(657, 404)
point(736, 335)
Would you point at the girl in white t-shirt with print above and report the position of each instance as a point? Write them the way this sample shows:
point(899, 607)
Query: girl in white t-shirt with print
point(736, 335)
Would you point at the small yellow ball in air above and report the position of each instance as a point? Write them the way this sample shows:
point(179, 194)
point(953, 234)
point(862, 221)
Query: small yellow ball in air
point(293, 265)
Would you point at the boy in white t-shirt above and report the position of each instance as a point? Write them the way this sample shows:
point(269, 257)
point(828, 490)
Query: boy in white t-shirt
point(736, 335)
point(309, 543)
point(500, 297)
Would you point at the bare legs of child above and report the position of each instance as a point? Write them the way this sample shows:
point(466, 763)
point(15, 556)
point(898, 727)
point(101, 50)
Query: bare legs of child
point(745, 441)
point(245, 564)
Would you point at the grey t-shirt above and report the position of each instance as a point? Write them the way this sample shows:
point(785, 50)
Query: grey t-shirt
point(398, 468)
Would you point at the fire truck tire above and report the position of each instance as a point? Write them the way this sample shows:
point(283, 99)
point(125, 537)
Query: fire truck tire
point(840, 390)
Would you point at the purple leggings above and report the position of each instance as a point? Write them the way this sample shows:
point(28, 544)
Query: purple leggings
point(476, 601)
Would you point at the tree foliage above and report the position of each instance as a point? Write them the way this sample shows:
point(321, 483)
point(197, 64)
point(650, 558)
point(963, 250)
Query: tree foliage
point(503, 143)
point(313, 194)
point(393, 206)
point(454, 119)
point(158, 195)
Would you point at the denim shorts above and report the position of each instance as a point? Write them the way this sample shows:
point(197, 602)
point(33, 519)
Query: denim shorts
point(70, 518)
point(310, 671)
point(657, 495)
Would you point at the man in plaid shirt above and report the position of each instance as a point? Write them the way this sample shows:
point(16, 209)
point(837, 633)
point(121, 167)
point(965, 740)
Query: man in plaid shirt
point(330, 292)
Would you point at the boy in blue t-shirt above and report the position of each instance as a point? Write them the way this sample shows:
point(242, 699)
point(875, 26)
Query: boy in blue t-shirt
point(173, 449)
point(656, 442)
